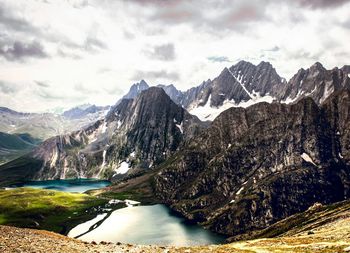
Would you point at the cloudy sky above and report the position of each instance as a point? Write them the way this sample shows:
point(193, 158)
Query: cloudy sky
point(61, 53)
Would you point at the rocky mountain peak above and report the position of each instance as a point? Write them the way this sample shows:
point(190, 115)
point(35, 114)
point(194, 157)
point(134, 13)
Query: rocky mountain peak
point(265, 64)
point(316, 82)
point(84, 110)
point(136, 88)
point(153, 95)
point(175, 94)
point(137, 134)
point(317, 66)
point(346, 69)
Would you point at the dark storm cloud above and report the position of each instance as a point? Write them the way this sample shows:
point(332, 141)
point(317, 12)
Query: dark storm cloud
point(7, 88)
point(218, 59)
point(164, 52)
point(139, 75)
point(12, 25)
point(238, 17)
point(18, 50)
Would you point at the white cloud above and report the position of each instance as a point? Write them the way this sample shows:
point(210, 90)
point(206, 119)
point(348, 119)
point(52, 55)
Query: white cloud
point(83, 37)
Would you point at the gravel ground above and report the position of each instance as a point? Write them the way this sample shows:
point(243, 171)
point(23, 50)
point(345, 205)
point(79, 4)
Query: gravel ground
point(334, 237)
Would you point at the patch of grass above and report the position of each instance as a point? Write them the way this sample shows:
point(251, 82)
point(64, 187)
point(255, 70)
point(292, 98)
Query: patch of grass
point(46, 209)
point(2, 219)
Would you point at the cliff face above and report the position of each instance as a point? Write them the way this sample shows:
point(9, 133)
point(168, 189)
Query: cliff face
point(239, 83)
point(136, 135)
point(255, 166)
point(316, 82)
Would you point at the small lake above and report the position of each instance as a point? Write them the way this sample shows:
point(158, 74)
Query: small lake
point(144, 225)
point(67, 185)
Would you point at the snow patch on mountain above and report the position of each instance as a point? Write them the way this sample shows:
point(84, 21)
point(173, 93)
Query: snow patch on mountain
point(328, 91)
point(240, 190)
point(207, 112)
point(290, 100)
point(307, 158)
point(123, 168)
point(179, 126)
point(103, 163)
point(104, 127)
point(239, 80)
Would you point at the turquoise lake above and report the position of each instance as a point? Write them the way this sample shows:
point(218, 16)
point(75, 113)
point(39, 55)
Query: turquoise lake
point(67, 185)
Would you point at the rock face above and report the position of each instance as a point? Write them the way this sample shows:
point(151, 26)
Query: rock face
point(255, 166)
point(242, 85)
point(245, 84)
point(346, 69)
point(135, 135)
point(316, 82)
point(136, 89)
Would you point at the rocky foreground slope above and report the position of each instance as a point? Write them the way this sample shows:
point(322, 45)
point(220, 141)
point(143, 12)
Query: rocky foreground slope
point(320, 229)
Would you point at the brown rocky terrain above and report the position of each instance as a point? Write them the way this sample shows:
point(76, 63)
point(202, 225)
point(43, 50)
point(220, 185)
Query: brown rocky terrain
point(258, 165)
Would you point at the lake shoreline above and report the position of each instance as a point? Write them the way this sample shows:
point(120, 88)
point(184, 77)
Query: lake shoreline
point(150, 224)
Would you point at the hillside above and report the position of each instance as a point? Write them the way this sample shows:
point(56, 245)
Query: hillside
point(13, 146)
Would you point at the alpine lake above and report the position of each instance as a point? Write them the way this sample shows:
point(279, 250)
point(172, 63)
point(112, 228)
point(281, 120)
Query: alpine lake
point(135, 224)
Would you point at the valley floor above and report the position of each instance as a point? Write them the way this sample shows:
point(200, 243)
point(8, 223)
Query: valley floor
point(331, 237)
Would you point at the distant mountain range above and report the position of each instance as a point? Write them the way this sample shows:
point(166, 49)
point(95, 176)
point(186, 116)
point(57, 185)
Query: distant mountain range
point(87, 110)
point(41, 126)
point(245, 84)
point(236, 153)
point(45, 125)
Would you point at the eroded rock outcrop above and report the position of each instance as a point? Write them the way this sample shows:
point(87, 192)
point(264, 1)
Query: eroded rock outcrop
point(255, 166)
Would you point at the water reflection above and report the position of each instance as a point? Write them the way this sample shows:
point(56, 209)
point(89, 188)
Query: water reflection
point(146, 225)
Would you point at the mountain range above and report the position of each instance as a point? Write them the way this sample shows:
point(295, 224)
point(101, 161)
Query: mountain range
point(41, 126)
point(237, 153)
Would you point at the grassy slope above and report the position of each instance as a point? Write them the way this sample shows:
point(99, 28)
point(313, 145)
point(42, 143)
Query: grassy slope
point(19, 170)
point(13, 146)
point(139, 188)
point(45, 209)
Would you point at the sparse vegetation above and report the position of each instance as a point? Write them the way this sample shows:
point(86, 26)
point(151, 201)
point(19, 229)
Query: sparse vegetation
point(46, 209)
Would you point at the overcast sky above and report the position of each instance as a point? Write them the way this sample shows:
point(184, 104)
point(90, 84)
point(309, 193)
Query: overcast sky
point(61, 53)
